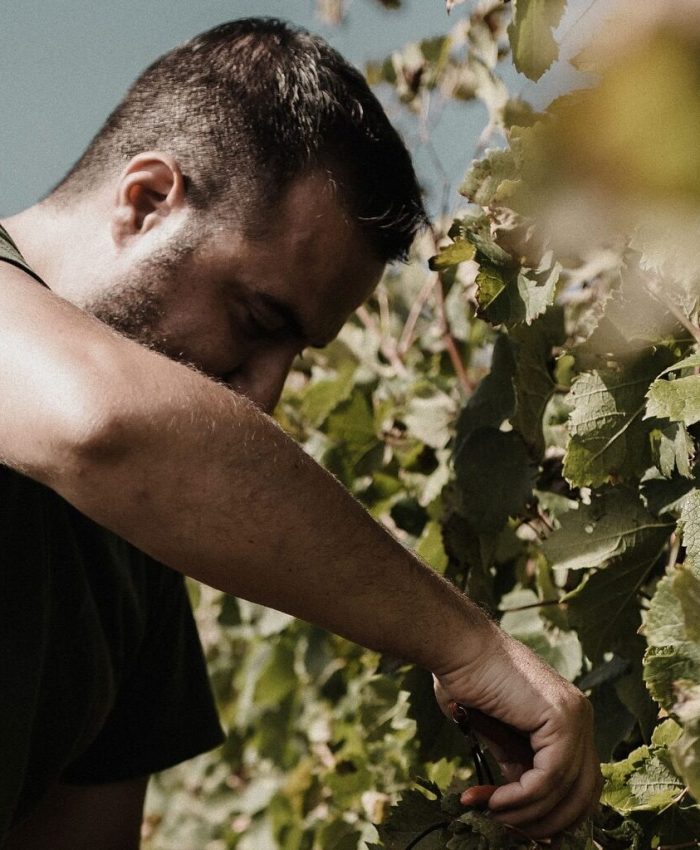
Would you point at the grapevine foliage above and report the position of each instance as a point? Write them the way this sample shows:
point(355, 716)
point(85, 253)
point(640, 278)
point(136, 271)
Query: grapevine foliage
point(521, 405)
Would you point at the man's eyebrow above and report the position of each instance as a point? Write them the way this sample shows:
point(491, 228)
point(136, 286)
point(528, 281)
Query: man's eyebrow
point(286, 313)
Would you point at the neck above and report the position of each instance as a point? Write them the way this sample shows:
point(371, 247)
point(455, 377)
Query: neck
point(66, 247)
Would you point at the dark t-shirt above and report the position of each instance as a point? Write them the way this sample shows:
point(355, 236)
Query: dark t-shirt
point(102, 676)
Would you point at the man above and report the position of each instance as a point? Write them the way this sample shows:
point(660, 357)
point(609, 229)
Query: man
point(237, 206)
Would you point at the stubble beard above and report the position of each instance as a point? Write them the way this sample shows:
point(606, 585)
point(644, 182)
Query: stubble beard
point(135, 308)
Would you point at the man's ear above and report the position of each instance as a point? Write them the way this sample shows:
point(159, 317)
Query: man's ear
point(150, 188)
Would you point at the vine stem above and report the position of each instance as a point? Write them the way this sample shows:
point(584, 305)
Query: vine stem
point(541, 604)
point(446, 331)
point(685, 846)
point(451, 343)
point(426, 833)
point(408, 335)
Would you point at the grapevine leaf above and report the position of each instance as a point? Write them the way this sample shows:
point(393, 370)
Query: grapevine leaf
point(490, 179)
point(531, 35)
point(560, 650)
point(323, 396)
point(656, 785)
point(616, 792)
point(277, 679)
point(615, 526)
point(534, 384)
point(609, 437)
point(685, 751)
point(666, 733)
point(678, 399)
point(351, 427)
point(477, 231)
point(672, 449)
point(604, 608)
point(633, 322)
point(452, 255)
point(677, 824)
point(497, 295)
point(668, 495)
point(414, 814)
point(671, 622)
point(476, 831)
point(690, 525)
point(495, 477)
point(687, 586)
point(632, 690)
point(430, 547)
point(537, 289)
point(430, 418)
point(493, 401)
point(629, 833)
point(619, 722)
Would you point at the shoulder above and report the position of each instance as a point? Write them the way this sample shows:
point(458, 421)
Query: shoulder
point(10, 254)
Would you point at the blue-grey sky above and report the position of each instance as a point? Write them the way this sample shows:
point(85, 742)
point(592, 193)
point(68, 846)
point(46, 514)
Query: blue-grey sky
point(66, 63)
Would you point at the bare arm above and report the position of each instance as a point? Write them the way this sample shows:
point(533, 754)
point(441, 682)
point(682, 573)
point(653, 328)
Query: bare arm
point(201, 480)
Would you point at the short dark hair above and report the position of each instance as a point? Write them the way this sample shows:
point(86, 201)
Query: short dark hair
point(248, 107)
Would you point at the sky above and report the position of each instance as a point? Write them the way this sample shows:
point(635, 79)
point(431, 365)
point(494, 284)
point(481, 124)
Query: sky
point(66, 63)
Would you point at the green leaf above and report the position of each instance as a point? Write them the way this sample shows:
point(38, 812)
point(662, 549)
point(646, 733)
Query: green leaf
point(430, 547)
point(533, 382)
point(668, 495)
point(323, 396)
point(677, 399)
point(604, 608)
point(609, 437)
point(685, 751)
point(278, 678)
point(493, 401)
point(616, 792)
point(537, 288)
point(671, 627)
point(351, 428)
point(495, 477)
point(476, 831)
point(655, 784)
point(666, 733)
point(478, 231)
point(413, 814)
point(490, 179)
point(430, 418)
point(619, 722)
point(690, 525)
point(452, 255)
point(672, 450)
point(531, 35)
point(644, 781)
point(615, 526)
point(559, 649)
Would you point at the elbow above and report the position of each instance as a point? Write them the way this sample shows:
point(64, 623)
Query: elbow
point(83, 430)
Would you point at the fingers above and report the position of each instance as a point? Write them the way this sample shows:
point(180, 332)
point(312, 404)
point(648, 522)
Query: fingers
point(477, 795)
point(568, 811)
point(553, 795)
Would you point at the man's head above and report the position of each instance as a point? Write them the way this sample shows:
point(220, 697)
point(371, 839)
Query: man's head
point(246, 109)
point(251, 166)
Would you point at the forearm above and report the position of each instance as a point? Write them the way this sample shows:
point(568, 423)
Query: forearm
point(201, 480)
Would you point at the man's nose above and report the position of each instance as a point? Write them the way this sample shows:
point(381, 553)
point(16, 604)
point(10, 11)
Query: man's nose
point(262, 375)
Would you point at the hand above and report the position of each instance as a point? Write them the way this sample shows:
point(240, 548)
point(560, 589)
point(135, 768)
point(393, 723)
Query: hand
point(538, 727)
